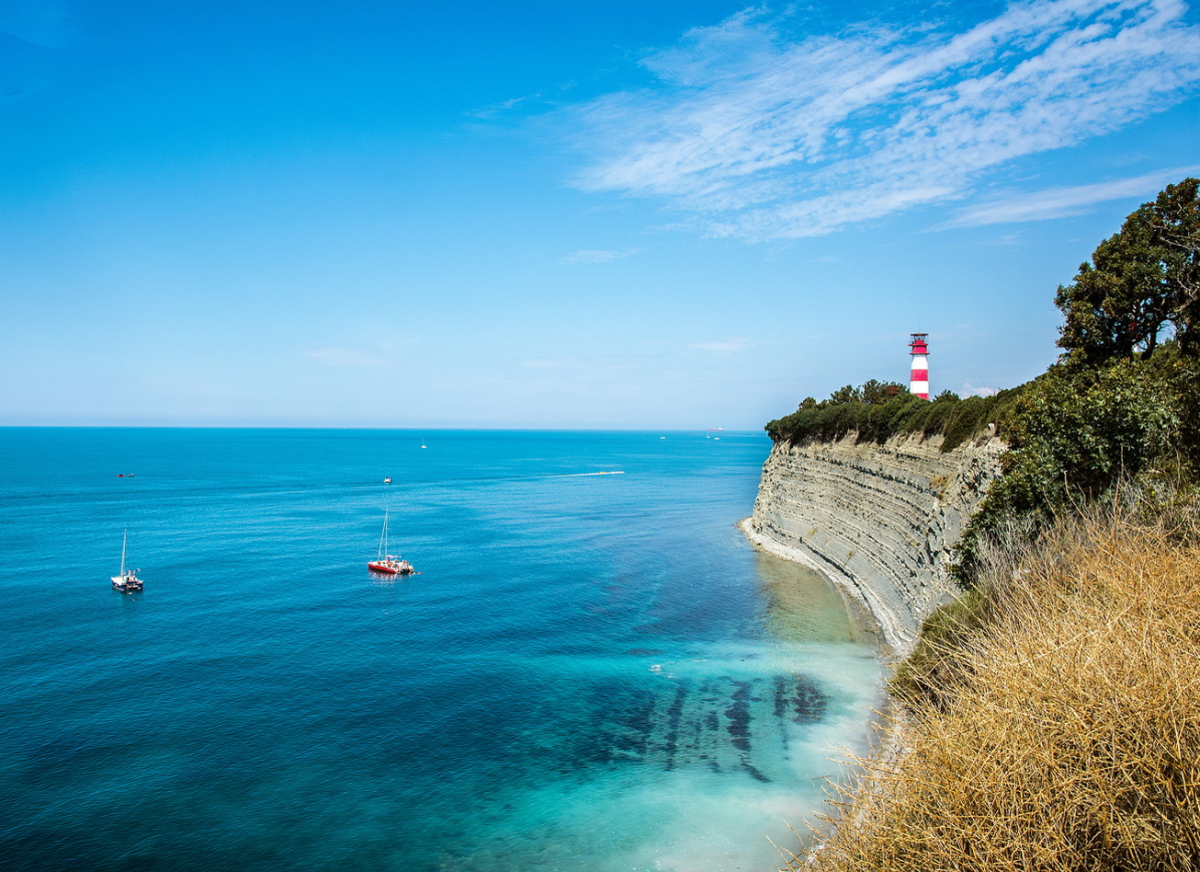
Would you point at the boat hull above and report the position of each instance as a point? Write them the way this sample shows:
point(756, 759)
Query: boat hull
point(126, 582)
point(391, 567)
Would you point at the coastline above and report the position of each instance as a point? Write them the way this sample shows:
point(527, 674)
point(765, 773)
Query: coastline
point(893, 641)
point(885, 733)
point(878, 522)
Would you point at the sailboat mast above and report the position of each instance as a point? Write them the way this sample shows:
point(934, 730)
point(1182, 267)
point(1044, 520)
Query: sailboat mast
point(124, 540)
point(383, 536)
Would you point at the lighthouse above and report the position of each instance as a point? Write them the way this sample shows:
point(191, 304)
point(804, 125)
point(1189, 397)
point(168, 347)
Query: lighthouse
point(919, 380)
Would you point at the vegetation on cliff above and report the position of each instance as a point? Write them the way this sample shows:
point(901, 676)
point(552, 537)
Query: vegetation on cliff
point(1124, 399)
point(875, 416)
point(1052, 713)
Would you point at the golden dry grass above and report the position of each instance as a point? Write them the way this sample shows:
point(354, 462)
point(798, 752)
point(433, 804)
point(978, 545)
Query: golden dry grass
point(1071, 737)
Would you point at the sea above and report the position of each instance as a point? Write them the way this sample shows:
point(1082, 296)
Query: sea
point(591, 669)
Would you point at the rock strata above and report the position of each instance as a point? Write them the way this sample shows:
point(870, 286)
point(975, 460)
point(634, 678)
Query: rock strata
point(880, 520)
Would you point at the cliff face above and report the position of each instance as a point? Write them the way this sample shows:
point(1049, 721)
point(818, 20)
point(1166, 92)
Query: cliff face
point(878, 519)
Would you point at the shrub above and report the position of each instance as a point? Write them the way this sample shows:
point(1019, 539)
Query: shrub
point(1075, 432)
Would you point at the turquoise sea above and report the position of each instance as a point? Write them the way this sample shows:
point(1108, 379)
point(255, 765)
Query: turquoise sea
point(591, 672)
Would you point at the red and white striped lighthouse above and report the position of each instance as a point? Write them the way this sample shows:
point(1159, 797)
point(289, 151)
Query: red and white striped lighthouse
point(919, 380)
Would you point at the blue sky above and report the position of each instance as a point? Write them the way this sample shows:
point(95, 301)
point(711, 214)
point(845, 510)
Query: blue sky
point(650, 215)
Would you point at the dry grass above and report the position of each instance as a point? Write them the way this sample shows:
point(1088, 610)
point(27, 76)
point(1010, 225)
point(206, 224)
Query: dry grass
point(1071, 737)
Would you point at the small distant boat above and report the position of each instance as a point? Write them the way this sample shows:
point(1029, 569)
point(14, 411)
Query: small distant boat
point(386, 563)
point(387, 480)
point(128, 579)
point(423, 445)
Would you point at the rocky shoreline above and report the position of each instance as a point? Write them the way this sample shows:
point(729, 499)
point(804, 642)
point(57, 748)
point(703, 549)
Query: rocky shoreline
point(878, 520)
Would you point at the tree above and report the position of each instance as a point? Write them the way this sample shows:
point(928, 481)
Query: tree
point(1177, 229)
point(845, 394)
point(876, 392)
point(1141, 279)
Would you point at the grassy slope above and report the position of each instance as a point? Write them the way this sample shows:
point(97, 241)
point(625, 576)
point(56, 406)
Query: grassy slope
point(1059, 724)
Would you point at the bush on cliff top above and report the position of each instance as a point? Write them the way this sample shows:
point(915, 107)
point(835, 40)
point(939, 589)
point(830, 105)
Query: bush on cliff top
point(1077, 431)
point(875, 417)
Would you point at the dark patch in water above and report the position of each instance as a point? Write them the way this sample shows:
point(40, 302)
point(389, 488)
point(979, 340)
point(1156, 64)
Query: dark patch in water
point(739, 716)
point(809, 702)
point(629, 720)
point(754, 772)
point(622, 718)
point(644, 652)
point(711, 722)
point(674, 713)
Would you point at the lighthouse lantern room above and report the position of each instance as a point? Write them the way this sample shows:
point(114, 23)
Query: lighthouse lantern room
point(919, 379)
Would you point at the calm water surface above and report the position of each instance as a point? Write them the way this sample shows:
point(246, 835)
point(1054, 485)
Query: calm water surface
point(591, 671)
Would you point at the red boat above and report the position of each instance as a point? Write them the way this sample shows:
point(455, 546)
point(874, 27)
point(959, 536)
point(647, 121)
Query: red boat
point(389, 564)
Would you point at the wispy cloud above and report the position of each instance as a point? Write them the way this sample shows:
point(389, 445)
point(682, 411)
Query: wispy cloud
point(1063, 202)
point(762, 136)
point(343, 357)
point(495, 110)
point(592, 255)
point(728, 346)
point(969, 390)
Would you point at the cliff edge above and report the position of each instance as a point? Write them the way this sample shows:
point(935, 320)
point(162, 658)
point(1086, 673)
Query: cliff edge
point(879, 520)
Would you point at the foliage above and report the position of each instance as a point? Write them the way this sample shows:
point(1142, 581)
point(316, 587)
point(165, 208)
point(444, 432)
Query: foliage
point(1053, 711)
point(873, 415)
point(1078, 431)
point(1142, 280)
point(1120, 402)
point(1123, 400)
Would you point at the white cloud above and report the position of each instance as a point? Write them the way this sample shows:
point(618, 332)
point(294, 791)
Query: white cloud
point(496, 109)
point(591, 255)
point(343, 357)
point(969, 390)
point(760, 136)
point(728, 346)
point(1064, 201)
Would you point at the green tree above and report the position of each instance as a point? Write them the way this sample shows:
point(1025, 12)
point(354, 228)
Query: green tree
point(1177, 232)
point(1141, 280)
point(845, 394)
point(876, 392)
point(1076, 432)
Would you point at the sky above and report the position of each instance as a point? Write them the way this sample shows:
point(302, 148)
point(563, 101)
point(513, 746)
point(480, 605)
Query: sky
point(651, 215)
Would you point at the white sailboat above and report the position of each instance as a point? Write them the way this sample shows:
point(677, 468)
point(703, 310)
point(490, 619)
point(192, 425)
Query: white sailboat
point(128, 579)
point(387, 563)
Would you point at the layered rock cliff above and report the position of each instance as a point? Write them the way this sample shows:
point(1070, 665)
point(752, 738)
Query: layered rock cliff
point(878, 519)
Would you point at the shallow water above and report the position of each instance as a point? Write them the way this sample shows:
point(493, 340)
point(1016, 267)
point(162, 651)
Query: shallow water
point(591, 671)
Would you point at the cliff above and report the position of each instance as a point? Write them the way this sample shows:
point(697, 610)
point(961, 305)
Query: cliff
point(878, 519)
